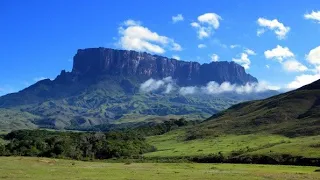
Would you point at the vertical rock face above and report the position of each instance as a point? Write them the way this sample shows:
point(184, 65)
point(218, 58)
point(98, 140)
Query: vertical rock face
point(97, 61)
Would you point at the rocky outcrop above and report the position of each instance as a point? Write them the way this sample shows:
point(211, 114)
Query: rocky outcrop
point(97, 61)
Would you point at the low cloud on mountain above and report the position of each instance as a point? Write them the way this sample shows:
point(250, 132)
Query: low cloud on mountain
point(168, 85)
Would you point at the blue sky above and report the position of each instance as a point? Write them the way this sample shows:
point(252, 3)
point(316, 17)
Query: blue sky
point(277, 41)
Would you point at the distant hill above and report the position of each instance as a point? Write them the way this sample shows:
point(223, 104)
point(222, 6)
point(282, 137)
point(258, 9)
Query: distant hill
point(103, 87)
point(295, 113)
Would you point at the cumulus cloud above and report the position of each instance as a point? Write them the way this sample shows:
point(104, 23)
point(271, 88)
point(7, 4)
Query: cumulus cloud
point(285, 57)
point(313, 57)
point(176, 57)
point(315, 16)
point(177, 18)
point(139, 38)
point(243, 60)
point(206, 24)
point(166, 84)
point(214, 58)
point(303, 80)
point(294, 66)
point(279, 53)
point(200, 46)
point(274, 25)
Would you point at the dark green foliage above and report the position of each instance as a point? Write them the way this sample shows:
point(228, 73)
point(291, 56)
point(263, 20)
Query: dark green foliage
point(151, 129)
point(75, 145)
point(144, 128)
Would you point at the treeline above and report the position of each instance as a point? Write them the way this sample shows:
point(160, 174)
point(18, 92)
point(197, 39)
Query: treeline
point(280, 159)
point(144, 128)
point(74, 145)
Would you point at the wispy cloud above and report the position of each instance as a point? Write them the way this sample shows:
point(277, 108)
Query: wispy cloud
point(177, 18)
point(36, 79)
point(200, 46)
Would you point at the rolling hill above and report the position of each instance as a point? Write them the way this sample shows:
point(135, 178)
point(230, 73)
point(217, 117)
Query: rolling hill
point(294, 113)
point(281, 128)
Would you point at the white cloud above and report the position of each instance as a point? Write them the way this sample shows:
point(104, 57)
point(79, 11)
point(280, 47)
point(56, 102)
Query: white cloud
point(139, 38)
point(314, 56)
point(226, 87)
point(214, 58)
point(260, 32)
point(249, 51)
point(302, 80)
point(188, 90)
point(177, 18)
point(284, 56)
point(36, 79)
point(294, 66)
point(313, 16)
point(243, 60)
point(280, 53)
point(267, 66)
point(176, 57)
point(131, 22)
point(232, 46)
point(176, 47)
point(211, 19)
point(206, 24)
point(200, 46)
point(279, 29)
point(166, 84)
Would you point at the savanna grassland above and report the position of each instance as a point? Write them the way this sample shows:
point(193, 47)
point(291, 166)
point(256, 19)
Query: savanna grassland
point(12, 168)
point(172, 144)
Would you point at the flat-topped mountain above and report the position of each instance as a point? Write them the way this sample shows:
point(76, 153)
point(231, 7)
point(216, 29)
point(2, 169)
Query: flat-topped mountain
point(104, 87)
point(97, 61)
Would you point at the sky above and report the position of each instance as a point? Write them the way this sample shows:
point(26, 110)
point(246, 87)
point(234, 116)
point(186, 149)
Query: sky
point(276, 41)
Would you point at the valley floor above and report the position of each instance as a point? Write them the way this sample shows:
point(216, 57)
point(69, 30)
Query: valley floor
point(48, 169)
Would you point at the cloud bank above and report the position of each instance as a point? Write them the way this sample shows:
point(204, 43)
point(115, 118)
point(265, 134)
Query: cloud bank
point(168, 85)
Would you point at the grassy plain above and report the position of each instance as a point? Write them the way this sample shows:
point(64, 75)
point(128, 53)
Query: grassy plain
point(15, 168)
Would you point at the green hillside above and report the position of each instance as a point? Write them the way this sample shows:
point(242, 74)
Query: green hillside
point(287, 125)
point(108, 100)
